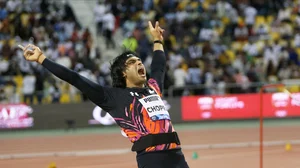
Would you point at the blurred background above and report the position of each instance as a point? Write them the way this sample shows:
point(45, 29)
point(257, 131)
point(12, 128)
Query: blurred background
point(219, 55)
point(213, 48)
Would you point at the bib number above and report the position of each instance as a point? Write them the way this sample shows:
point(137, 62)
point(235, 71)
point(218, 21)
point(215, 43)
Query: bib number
point(155, 107)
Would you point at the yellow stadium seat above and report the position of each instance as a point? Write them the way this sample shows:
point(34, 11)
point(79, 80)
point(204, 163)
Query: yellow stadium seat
point(225, 20)
point(260, 20)
point(294, 88)
point(12, 42)
point(185, 66)
point(270, 19)
point(19, 83)
point(236, 46)
point(293, 17)
point(173, 40)
point(298, 51)
point(18, 79)
point(194, 5)
point(11, 16)
point(260, 44)
point(182, 4)
point(275, 35)
point(77, 98)
point(25, 19)
point(283, 43)
point(205, 5)
point(47, 99)
point(292, 43)
point(240, 20)
point(230, 54)
point(64, 98)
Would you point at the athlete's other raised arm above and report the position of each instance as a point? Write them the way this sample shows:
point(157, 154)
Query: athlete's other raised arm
point(96, 93)
point(158, 65)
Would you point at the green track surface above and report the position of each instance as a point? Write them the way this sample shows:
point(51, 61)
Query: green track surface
point(183, 126)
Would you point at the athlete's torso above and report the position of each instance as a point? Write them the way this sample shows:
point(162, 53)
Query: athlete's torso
point(132, 114)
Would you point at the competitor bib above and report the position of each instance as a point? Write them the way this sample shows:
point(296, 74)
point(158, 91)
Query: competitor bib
point(155, 107)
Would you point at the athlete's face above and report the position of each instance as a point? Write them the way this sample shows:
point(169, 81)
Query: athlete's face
point(135, 72)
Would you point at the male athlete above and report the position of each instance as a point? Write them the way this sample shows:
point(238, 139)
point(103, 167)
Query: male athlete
point(133, 102)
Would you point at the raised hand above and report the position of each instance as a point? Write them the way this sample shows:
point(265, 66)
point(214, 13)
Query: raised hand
point(32, 53)
point(156, 31)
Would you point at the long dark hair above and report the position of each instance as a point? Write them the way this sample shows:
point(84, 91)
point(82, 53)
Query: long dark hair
point(118, 67)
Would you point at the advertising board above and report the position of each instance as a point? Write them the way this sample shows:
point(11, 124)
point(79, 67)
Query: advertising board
point(242, 106)
point(15, 116)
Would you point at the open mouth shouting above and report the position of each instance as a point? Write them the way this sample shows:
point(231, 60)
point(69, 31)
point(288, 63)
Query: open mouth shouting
point(142, 72)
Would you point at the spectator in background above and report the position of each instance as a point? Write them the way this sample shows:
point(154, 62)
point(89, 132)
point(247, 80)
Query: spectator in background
point(293, 55)
point(241, 32)
point(242, 81)
point(269, 55)
point(194, 76)
point(239, 62)
point(208, 79)
point(271, 75)
point(40, 76)
point(180, 76)
point(130, 43)
point(212, 32)
point(64, 59)
point(295, 71)
point(55, 93)
point(286, 30)
point(4, 66)
point(284, 71)
point(3, 98)
point(251, 49)
point(222, 8)
point(174, 60)
point(108, 21)
point(253, 77)
point(28, 89)
point(297, 38)
point(6, 51)
point(284, 14)
point(12, 5)
point(144, 47)
point(2, 93)
point(3, 11)
point(87, 73)
point(87, 41)
point(99, 11)
point(261, 31)
point(250, 14)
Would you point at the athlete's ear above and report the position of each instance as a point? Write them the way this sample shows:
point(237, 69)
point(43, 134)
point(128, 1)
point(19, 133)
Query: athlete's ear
point(124, 74)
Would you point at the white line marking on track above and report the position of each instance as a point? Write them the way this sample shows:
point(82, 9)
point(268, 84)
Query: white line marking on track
point(126, 150)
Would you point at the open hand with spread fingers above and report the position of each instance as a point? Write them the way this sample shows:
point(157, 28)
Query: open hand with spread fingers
point(156, 31)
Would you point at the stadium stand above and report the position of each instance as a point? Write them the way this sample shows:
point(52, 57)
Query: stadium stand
point(212, 46)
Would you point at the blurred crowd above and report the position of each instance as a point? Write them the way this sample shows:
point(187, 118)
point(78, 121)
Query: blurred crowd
point(210, 43)
point(215, 43)
point(52, 26)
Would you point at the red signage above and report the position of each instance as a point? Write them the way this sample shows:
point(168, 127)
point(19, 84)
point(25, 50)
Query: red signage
point(243, 106)
point(15, 116)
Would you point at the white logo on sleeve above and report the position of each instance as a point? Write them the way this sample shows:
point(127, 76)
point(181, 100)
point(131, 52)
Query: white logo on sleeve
point(151, 91)
point(134, 94)
point(155, 107)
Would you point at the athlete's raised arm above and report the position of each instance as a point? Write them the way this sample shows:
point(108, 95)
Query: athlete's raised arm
point(158, 65)
point(95, 92)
